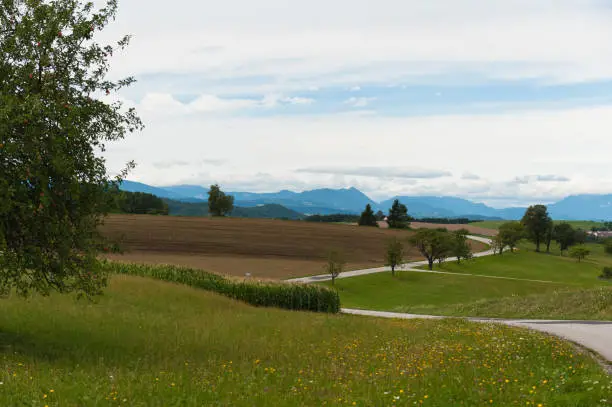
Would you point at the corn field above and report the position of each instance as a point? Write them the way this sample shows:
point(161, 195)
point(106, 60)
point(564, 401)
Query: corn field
point(258, 293)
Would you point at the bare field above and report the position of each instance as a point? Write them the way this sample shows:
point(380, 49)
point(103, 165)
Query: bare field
point(471, 228)
point(265, 248)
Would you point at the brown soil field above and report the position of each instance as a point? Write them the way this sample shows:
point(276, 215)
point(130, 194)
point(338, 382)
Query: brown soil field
point(471, 228)
point(265, 248)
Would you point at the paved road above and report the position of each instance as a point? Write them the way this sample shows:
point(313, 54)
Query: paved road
point(407, 266)
point(595, 335)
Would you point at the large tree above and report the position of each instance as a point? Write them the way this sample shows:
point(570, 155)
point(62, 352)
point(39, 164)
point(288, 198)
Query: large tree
point(536, 222)
point(510, 234)
point(219, 204)
point(432, 244)
point(398, 216)
point(394, 255)
point(56, 115)
point(461, 247)
point(565, 235)
point(367, 217)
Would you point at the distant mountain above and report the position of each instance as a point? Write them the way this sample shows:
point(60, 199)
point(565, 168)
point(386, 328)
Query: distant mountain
point(587, 207)
point(179, 208)
point(352, 201)
point(131, 186)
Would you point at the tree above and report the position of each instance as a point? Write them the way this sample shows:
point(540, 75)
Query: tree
point(497, 244)
point(395, 254)
point(510, 234)
point(432, 244)
point(367, 217)
point(579, 253)
point(219, 204)
point(335, 264)
point(55, 119)
point(549, 235)
point(398, 216)
point(380, 215)
point(565, 235)
point(536, 222)
point(461, 248)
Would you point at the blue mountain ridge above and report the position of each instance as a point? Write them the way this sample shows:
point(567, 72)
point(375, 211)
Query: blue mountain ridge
point(351, 200)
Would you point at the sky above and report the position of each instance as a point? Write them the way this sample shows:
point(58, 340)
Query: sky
point(506, 102)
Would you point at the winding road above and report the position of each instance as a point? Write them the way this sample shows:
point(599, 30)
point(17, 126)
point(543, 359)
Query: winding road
point(594, 335)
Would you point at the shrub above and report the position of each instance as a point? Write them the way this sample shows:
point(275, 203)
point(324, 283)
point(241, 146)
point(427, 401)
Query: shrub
point(606, 273)
point(301, 297)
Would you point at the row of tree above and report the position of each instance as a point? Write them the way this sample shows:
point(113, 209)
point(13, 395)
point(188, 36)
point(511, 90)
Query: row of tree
point(397, 218)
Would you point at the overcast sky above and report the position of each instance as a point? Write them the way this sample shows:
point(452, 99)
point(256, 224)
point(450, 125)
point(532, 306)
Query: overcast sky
point(503, 102)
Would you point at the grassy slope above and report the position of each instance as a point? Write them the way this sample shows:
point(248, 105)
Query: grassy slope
point(149, 343)
point(417, 292)
point(527, 264)
point(565, 296)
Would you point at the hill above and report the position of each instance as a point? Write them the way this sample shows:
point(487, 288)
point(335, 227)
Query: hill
point(262, 247)
point(352, 201)
point(150, 343)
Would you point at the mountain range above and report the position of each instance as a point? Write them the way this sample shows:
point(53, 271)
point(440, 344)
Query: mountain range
point(327, 201)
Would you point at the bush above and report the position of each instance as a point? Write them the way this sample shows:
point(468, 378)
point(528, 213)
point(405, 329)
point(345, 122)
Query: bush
point(301, 297)
point(606, 274)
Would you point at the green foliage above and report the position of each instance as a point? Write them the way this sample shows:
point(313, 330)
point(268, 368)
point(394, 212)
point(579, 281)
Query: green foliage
point(510, 234)
point(335, 264)
point(497, 244)
point(398, 216)
point(54, 184)
point(432, 244)
point(461, 248)
point(565, 235)
point(580, 252)
point(380, 215)
point(395, 254)
point(537, 224)
point(367, 217)
point(606, 274)
point(139, 203)
point(303, 297)
point(219, 204)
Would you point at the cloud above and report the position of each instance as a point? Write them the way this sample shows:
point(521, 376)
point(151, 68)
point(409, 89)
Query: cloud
point(213, 161)
point(552, 178)
point(470, 177)
point(355, 88)
point(317, 43)
point(348, 142)
point(165, 165)
point(378, 172)
point(359, 101)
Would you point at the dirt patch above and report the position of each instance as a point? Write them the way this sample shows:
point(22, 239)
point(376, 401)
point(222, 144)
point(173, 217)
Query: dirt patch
point(471, 228)
point(262, 247)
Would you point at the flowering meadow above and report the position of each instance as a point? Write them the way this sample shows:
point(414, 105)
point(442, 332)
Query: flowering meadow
point(153, 343)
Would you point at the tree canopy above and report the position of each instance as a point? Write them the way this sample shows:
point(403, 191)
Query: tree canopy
point(537, 223)
point(432, 244)
point(219, 204)
point(56, 115)
point(510, 234)
point(398, 216)
point(367, 217)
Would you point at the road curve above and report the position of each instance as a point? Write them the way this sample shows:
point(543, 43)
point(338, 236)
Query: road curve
point(407, 266)
point(595, 335)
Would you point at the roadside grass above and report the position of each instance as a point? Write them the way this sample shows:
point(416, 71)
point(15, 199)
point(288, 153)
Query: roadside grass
point(417, 292)
point(152, 343)
point(585, 304)
point(582, 224)
point(528, 264)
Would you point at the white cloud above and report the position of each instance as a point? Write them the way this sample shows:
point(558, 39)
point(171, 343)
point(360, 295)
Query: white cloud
point(495, 146)
point(359, 101)
point(318, 43)
point(469, 176)
point(378, 172)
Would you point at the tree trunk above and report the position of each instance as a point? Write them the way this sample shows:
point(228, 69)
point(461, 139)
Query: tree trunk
point(430, 261)
point(393, 270)
point(537, 242)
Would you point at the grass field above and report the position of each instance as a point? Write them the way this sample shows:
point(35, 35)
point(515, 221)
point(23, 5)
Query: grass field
point(263, 247)
point(565, 288)
point(149, 343)
point(582, 224)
